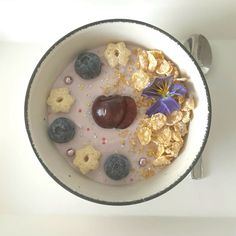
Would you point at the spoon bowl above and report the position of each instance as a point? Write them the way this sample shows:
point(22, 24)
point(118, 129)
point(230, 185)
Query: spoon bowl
point(200, 48)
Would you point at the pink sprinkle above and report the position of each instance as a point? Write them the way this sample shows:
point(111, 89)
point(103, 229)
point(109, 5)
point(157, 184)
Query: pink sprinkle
point(70, 152)
point(103, 138)
point(79, 110)
point(88, 129)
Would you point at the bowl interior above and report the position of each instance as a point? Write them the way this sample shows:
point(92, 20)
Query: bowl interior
point(54, 62)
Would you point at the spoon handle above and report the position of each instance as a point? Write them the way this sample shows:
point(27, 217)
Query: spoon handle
point(197, 171)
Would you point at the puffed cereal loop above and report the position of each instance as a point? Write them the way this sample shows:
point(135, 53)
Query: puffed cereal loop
point(117, 54)
point(60, 100)
point(87, 159)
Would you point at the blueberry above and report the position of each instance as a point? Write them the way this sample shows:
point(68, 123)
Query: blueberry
point(117, 166)
point(61, 130)
point(88, 65)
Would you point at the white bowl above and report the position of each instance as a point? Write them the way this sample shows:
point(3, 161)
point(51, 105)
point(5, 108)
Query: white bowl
point(53, 63)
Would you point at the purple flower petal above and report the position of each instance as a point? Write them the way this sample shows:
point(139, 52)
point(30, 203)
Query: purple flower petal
point(152, 89)
point(177, 89)
point(164, 105)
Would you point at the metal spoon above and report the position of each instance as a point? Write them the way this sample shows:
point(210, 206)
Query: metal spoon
point(200, 49)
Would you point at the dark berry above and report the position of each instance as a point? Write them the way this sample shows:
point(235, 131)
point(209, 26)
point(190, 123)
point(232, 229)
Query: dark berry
point(88, 65)
point(61, 130)
point(117, 166)
point(130, 113)
point(108, 112)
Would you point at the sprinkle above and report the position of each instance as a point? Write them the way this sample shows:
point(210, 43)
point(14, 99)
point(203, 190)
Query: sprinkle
point(70, 152)
point(68, 80)
point(142, 161)
point(88, 129)
point(104, 140)
point(80, 110)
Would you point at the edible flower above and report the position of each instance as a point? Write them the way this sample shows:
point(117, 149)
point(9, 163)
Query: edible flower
point(162, 90)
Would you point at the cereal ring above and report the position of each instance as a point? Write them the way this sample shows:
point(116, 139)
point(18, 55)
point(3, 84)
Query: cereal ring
point(117, 54)
point(87, 159)
point(60, 100)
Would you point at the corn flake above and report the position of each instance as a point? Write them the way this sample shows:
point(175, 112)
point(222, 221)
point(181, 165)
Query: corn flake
point(176, 136)
point(181, 127)
point(152, 62)
point(189, 104)
point(174, 117)
point(161, 161)
point(165, 68)
point(140, 80)
point(186, 116)
point(142, 59)
point(157, 121)
point(144, 135)
point(173, 149)
point(162, 136)
point(160, 150)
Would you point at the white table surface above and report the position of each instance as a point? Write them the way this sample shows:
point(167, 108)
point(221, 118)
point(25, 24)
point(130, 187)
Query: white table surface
point(28, 194)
